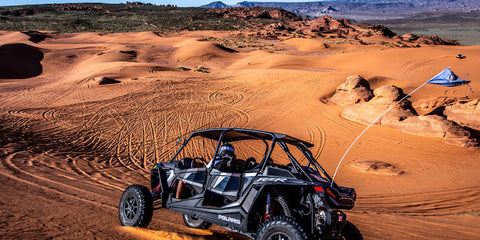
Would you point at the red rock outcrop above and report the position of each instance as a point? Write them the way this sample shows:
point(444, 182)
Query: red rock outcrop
point(409, 37)
point(405, 118)
point(323, 25)
point(329, 25)
point(465, 114)
point(437, 127)
point(426, 106)
point(244, 13)
point(435, 40)
point(384, 98)
point(355, 90)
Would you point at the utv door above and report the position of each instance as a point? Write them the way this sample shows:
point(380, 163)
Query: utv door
point(222, 188)
point(193, 180)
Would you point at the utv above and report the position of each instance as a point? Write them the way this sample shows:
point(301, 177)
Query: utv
point(261, 184)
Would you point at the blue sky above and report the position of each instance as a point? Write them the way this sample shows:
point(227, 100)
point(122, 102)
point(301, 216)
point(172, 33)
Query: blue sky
point(180, 3)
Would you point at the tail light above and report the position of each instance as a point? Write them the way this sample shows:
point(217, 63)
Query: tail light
point(329, 192)
point(325, 190)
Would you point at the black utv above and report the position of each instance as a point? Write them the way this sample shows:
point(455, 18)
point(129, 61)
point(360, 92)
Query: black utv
point(261, 184)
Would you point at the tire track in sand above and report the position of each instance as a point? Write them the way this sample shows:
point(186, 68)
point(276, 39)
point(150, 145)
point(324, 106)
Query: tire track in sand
point(446, 201)
point(59, 186)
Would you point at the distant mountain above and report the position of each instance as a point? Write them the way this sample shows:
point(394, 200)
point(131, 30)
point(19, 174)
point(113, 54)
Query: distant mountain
point(248, 4)
point(366, 9)
point(329, 9)
point(217, 4)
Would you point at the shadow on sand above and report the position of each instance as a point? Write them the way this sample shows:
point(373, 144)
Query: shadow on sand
point(20, 61)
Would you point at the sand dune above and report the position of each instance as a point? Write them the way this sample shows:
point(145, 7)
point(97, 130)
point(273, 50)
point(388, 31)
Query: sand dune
point(194, 51)
point(265, 60)
point(306, 45)
point(70, 144)
point(14, 37)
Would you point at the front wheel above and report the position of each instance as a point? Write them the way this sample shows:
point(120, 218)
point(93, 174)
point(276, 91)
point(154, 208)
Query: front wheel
point(280, 227)
point(350, 232)
point(136, 206)
point(195, 222)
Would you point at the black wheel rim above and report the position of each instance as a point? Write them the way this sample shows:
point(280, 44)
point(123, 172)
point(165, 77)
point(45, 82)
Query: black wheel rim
point(194, 220)
point(278, 236)
point(130, 208)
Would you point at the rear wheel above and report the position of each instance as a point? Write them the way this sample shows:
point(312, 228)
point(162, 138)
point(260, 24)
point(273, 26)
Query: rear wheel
point(136, 206)
point(195, 222)
point(350, 232)
point(280, 227)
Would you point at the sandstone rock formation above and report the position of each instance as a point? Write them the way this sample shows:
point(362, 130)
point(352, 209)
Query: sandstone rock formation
point(404, 117)
point(243, 13)
point(409, 37)
point(356, 89)
point(426, 106)
point(377, 167)
point(465, 114)
point(385, 97)
point(328, 25)
point(437, 127)
point(288, 23)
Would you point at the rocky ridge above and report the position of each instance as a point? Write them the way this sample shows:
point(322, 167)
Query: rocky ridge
point(288, 22)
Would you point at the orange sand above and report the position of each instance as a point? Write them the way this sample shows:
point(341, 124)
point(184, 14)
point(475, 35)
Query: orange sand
point(57, 183)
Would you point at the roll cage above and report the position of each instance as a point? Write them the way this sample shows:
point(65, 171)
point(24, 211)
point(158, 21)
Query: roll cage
point(237, 134)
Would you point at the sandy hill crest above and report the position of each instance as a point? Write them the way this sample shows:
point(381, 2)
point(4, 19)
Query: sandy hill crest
point(202, 50)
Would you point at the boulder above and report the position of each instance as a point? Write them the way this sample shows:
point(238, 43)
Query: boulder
point(408, 37)
point(388, 95)
point(356, 89)
point(277, 26)
point(465, 114)
point(438, 104)
point(437, 127)
point(385, 97)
